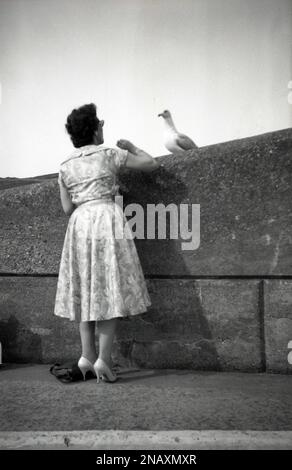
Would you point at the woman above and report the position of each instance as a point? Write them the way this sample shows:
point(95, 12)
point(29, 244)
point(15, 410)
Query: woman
point(100, 276)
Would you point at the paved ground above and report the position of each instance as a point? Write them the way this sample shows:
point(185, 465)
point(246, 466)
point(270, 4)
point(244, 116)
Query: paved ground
point(33, 402)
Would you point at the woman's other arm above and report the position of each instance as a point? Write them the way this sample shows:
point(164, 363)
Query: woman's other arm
point(67, 204)
point(137, 159)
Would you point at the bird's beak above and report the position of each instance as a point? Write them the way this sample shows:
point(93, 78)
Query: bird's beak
point(159, 115)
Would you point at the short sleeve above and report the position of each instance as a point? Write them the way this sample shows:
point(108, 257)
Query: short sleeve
point(60, 179)
point(120, 157)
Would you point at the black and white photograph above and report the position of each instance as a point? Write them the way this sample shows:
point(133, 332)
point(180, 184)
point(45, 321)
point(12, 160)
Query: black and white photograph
point(145, 230)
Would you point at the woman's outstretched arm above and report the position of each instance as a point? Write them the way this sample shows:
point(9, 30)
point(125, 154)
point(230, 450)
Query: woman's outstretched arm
point(137, 158)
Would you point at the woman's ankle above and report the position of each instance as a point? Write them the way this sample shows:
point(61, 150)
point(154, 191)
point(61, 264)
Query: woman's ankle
point(90, 357)
point(106, 359)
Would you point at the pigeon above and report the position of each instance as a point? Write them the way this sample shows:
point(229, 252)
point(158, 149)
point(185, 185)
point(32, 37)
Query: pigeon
point(174, 141)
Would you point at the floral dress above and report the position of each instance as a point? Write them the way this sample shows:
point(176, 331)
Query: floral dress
point(100, 276)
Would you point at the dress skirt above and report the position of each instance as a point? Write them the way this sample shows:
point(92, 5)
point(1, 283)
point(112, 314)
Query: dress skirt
point(100, 275)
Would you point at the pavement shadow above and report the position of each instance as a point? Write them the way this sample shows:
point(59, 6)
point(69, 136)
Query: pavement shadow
point(135, 375)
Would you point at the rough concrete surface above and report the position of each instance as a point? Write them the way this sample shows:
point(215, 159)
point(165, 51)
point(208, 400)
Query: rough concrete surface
point(33, 400)
point(243, 188)
point(278, 324)
point(192, 324)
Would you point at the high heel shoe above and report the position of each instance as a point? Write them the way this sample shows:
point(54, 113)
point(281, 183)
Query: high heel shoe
point(103, 372)
point(85, 365)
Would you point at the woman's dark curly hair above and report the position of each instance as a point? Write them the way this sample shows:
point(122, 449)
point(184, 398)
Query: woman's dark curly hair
point(81, 124)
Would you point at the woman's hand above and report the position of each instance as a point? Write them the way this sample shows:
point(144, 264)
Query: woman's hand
point(137, 158)
point(126, 145)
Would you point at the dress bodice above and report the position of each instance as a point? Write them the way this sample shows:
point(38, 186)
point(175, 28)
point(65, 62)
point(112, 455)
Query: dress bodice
point(90, 172)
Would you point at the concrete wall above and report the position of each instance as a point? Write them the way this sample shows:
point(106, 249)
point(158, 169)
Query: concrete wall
point(225, 306)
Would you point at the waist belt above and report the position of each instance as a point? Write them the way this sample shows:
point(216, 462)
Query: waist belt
point(91, 201)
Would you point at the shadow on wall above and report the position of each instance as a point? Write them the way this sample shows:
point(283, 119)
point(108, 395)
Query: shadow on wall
point(19, 344)
point(175, 332)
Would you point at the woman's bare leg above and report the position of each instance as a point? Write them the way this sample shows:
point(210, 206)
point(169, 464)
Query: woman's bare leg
point(87, 334)
point(106, 332)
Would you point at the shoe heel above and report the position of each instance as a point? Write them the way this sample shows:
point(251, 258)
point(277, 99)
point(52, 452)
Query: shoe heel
point(85, 365)
point(83, 372)
point(103, 372)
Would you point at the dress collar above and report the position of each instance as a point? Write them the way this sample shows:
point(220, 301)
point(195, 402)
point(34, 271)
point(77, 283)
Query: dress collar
point(86, 150)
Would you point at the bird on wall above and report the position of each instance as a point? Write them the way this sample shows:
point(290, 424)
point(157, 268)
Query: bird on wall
point(174, 141)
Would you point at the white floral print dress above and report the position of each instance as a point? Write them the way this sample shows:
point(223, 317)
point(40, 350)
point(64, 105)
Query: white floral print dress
point(100, 276)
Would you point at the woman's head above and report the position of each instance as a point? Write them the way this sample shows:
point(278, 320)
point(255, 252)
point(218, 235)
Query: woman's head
point(84, 127)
